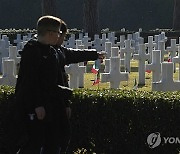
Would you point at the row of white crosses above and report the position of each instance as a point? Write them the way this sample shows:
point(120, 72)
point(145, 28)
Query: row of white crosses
point(9, 58)
point(162, 72)
point(112, 68)
point(156, 60)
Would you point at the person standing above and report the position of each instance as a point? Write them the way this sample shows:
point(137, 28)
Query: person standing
point(70, 56)
point(38, 91)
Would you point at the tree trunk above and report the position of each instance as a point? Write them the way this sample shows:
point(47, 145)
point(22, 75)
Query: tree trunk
point(91, 17)
point(176, 16)
point(49, 7)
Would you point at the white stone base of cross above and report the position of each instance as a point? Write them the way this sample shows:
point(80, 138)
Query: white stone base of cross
point(8, 77)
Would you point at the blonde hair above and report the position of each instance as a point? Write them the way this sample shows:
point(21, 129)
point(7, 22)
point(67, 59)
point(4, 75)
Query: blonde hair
point(48, 23)
point(63, 26)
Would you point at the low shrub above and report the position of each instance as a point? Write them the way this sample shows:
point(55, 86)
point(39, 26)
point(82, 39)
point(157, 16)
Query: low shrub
point(117, 121)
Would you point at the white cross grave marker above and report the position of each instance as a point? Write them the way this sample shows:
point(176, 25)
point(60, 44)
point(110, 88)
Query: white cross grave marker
point(81, 76)
point(3, 52)
point(80, 36)
point(141, 57)
point(18, 41)
point(107, 66)
point(78, 43)
point(103, 41)
point(108, 46)
point(13, 55)
point(86, 42)
point(155, 66)
point(166, 83)
point(74, 70)
point(8, 77)
point(156, 40)
point(115, 76)
point(150, 45)
point(71, 42)
point(7, 42)
point(112, 38)
point(172, 49)
point(97, 43)
point(128, 51)
point(162, 48)
point(177, 60)
point(121, 42)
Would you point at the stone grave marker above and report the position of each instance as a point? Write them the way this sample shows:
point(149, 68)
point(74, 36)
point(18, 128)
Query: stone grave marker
point(80, 36)
point(141, 57)
point(150, 46)
point(155, 66)
point(112, 38)
point(128, 51)
point(6, 39)
point(4, 52)
point(103, 41)
point(97, 43)
point(162, 48)
point(86, 42)
point(71, 42)
point(13, 55)
point(8, 77)
point(18, 41)
point(177, 60)
point(81, 76)
point(108, 46)
point(78, 43)
point(156, 40)
point(166, 83)
point(172, 50)
point(115, 76)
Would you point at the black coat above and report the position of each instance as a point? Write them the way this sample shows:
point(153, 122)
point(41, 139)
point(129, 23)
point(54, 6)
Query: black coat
point(39, 77)
point(42, 76)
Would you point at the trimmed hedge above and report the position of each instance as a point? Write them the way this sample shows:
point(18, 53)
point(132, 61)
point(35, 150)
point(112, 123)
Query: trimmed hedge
point(118, 121)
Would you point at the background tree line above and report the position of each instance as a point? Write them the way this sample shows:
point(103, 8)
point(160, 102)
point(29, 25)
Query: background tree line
point(114, 14)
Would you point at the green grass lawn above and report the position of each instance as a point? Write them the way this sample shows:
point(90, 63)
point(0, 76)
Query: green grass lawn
point(124, 84)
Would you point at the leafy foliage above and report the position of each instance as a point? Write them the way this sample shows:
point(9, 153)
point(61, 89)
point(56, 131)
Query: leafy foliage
point(116, 121)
